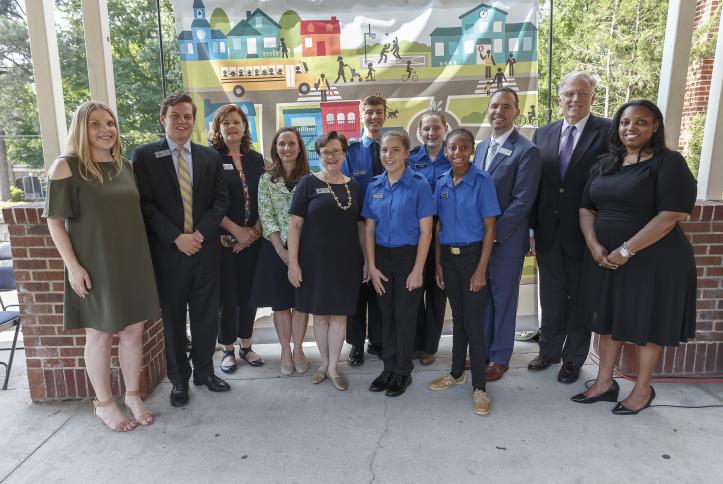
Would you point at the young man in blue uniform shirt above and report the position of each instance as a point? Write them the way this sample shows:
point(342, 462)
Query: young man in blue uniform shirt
point(363, 162)
point(430, 161)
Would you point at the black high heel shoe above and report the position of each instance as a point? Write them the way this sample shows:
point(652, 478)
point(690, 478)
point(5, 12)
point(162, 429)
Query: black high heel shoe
point(611, 395)
point(621, 409)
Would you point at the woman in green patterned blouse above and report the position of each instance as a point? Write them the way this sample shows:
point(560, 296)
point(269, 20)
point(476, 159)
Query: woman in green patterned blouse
point(271, 286)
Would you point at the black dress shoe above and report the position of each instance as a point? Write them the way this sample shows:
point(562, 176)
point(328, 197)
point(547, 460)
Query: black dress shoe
point(611, 395)
point(398, 385)
point(213, 383)
point(541, 362)
point(356, 356)
point(374, 350)
point(179, 395)
point(381, 382)
point(621, 409)
point(569, 373)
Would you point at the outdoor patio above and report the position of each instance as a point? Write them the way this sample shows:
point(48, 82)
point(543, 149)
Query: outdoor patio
point(284, 429)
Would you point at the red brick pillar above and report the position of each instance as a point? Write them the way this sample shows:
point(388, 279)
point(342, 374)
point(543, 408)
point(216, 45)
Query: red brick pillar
point(56, 369)
point(702, 356)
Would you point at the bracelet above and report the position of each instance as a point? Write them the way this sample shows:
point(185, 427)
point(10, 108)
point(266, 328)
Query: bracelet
point(625, 246)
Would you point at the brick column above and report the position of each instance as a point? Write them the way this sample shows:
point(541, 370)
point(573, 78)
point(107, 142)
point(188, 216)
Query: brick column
point(54, 357)
point(702, 356)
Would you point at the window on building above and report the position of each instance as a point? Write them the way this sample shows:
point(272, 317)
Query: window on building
point(329, 28)
point(497, 26)
point(469, 46)
point(439, 49)
point(330, 118)
point(258, 21)
point(340, 118)
point(222, 46)
point(308, 42)
point(269, 42)
point(527, 43)
point(311, 28)
point(189, 48)
point(497, 46)
point(199, 13)
point(513, 45)
point(351, 117)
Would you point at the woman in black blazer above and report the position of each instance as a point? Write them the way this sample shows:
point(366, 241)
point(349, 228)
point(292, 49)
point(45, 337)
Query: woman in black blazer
point(240, 233)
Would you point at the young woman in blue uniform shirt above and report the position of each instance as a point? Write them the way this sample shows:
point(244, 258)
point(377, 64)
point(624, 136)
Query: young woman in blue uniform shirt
point(430, 161)
point(398, 209)
point(467, 207)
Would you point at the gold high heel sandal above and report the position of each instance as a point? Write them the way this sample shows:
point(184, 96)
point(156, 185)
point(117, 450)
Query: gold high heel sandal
point(122, 426)
point(149, 418)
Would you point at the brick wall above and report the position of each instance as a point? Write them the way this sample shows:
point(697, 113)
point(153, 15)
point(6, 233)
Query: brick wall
point(704, 354)
point(697, 84)
point(54, 357)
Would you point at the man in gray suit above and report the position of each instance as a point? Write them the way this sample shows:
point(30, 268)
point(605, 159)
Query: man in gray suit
point(514, 164)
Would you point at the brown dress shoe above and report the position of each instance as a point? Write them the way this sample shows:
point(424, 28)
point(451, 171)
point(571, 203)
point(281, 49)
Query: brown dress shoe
point(494, 371)
point(426, 359)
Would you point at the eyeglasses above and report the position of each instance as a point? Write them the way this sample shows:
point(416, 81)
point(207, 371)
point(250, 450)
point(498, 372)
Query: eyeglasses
point(331, 153)
point(571, 94)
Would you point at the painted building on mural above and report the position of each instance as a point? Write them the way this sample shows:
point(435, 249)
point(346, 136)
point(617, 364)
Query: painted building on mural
point(201, 42)
point(342, 117)
point(320, 37)
point(483, 28)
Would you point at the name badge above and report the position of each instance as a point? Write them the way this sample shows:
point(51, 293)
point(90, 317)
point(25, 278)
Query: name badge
point(228, 166)
point(378, 195)
point(505, 151)
point(319, 191)
point(419, 166)
point(163, 153)
point(444, 195)
point(360, 173)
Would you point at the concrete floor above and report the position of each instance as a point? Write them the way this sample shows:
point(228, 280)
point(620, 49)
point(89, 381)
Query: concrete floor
point(284, 429)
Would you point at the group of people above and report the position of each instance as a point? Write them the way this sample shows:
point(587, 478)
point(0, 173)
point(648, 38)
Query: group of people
point(374, 244)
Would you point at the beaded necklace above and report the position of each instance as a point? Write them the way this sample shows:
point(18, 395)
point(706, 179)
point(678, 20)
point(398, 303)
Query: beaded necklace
point(348, 193)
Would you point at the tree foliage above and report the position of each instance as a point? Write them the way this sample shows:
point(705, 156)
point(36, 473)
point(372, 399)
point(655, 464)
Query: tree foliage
point(619, 41)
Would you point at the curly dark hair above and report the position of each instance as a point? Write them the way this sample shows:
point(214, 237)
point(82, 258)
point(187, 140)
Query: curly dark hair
point(214, 135)
point(612, 161)
point(276, 170)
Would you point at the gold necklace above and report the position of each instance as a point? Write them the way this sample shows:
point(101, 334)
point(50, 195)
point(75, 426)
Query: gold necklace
point(348, 193)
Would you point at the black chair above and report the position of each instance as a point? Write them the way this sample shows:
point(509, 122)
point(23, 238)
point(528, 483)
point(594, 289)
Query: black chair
point(8, 319)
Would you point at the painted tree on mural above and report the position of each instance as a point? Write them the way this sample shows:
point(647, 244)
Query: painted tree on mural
point(219, 21)
point(289, 22)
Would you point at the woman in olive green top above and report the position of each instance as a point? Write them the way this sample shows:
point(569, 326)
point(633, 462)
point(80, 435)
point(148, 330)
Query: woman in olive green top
point(271, 286)
point(94, 218)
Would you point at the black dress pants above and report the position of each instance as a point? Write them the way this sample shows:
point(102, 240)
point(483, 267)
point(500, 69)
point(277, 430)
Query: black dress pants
point(562, 333)
point(189, 284)
point(432, 305)
point(468, 311)
point(398, 306)
point(237, 275)
point(356, 325)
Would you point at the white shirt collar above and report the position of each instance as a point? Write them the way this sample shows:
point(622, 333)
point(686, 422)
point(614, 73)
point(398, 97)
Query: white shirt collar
point(172, 145)
point(580, 125)
point(500, 140)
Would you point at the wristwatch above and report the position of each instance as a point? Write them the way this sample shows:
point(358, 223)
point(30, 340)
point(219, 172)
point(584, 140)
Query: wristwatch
point(625, 252)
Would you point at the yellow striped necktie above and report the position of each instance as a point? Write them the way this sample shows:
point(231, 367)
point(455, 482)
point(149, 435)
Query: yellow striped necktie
point(184, 180)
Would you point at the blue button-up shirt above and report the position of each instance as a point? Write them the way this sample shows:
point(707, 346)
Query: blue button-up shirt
point(396, 209)
point(187, 155)
point(420, 162)
point(358, 162)
point(463, 208)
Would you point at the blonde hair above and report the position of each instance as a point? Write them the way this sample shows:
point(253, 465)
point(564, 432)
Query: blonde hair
point(78, 144)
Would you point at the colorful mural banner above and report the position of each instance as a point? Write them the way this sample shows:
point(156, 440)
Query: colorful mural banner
point(308, 63)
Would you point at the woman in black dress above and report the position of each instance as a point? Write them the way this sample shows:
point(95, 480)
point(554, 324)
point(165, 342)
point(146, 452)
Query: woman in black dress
point(326, 262)
point(240, 233)
point(639, 272)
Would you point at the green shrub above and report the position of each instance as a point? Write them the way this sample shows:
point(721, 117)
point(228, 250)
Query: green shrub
point(16, 195)
point(695, 143)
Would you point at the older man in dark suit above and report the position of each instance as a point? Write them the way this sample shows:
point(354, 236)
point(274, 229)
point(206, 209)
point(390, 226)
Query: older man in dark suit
point(514, 164)
point(568, 148)
point(183, 199)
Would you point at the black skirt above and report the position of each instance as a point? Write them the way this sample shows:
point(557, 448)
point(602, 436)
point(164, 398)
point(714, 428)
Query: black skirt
point(271, 287)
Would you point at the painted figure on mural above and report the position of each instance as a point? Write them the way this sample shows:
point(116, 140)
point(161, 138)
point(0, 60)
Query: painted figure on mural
point(283, 48)
point(341, 74)
point(499, 78)
point(488, 61)
point(370, 72)
point(383, 53)
point(511, 61)
point(395, 49)
point(322, 84)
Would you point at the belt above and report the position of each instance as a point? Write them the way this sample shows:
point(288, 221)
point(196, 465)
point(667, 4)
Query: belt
point(462, 249)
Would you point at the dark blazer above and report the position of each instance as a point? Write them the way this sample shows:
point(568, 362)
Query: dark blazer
point(516, 176)
point(161, 197)
point(556, 211)
point(253, 165)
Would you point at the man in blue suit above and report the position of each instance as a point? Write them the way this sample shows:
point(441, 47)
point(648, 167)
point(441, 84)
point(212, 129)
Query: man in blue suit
point(514, 164)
